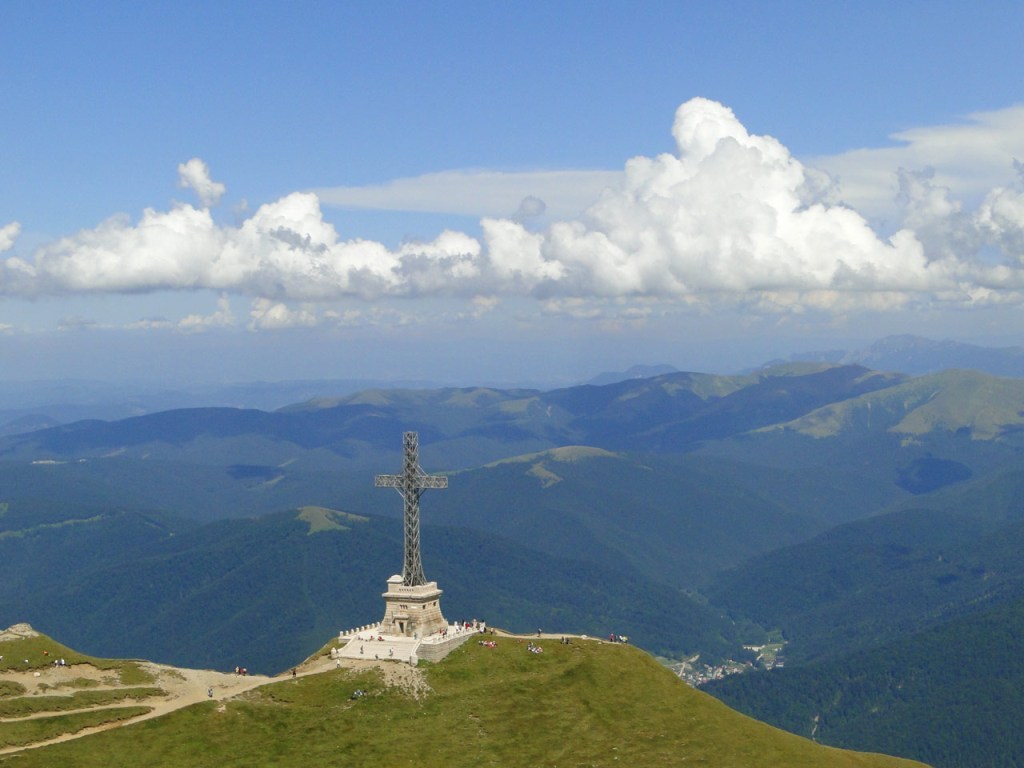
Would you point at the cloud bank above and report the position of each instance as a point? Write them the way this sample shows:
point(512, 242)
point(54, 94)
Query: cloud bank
point(729, 218)
point(560, 194)
point(963, 157)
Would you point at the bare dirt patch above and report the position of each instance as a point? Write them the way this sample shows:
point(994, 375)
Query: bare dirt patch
point(184, 687)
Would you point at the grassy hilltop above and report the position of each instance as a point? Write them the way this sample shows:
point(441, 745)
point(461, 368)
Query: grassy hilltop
point(587, 703)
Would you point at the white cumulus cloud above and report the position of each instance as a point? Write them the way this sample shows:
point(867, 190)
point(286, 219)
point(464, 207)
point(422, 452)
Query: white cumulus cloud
point(195, 175)
point(285, 250)
point(221, 318)
point(8, 234)
point(270, 315)
point(1001, 217)
point(728, 214)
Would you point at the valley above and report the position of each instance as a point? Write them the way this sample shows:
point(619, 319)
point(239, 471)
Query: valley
point(848, 513)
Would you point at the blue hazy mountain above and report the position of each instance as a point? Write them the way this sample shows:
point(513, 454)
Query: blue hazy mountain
point(917, 355)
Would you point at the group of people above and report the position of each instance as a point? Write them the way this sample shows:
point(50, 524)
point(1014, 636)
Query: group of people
point(241, 671)
point(613, 638)
point(534, 648)
point(55, 663)
point(391, 651)
point(466, 626)
point(487, 643)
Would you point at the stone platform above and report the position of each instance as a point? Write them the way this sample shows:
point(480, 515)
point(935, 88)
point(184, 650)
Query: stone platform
point(374, 644)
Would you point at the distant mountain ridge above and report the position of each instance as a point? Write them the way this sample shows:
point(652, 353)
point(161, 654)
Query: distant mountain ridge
point(917, 355)
point(983, 406)
point(633, 372)
point(31, 404)
point(908, 434)
point(26, 405)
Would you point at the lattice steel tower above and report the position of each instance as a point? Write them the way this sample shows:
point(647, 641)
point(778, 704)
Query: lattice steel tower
point(411, 484)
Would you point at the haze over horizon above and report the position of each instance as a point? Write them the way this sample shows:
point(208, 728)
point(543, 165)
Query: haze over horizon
point(460, 193)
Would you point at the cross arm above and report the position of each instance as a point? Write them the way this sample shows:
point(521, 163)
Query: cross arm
point(418, 481)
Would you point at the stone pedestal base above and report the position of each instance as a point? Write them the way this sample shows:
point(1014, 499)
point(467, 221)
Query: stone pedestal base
point(412, 611)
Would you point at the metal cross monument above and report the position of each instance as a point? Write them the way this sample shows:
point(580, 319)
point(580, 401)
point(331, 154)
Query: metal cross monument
point(410, 484)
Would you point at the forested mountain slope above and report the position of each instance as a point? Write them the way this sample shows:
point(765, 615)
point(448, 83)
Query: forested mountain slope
point(950, 695)
point(278, 584)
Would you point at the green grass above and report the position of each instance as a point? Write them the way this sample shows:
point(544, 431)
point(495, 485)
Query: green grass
point(323, 519)
point(78, 682)
point(31, 653)
point(41, 729)
point(24, 706)
point(131, 673)
point(39, 652)
point(23, 532)
point(941, 402)
point(10, 688)
point(581, 704)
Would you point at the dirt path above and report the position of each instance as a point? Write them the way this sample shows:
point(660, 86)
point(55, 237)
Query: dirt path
point(97, 708)
point(183, 687)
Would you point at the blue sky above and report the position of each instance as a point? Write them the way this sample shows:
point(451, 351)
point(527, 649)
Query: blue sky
point(471, 193)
